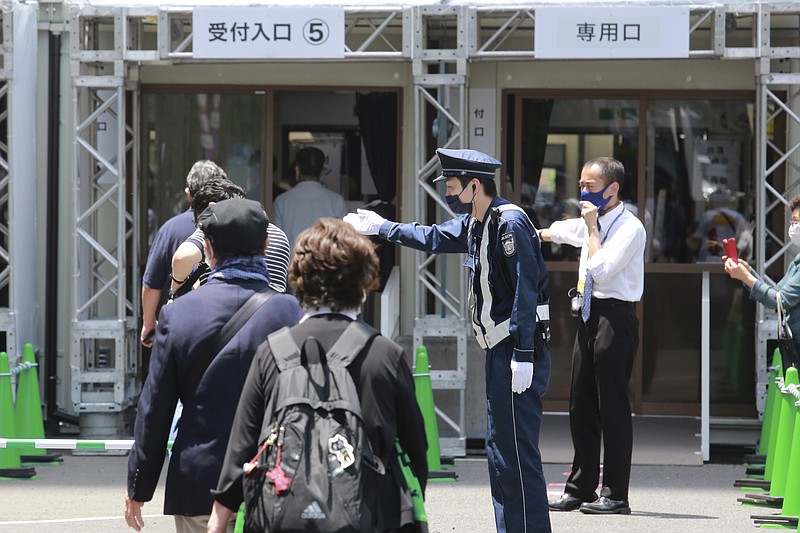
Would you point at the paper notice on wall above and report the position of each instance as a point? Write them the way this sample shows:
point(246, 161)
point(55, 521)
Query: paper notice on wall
point(715, 170)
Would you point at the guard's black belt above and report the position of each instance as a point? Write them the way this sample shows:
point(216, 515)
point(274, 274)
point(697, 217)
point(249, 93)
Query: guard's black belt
point(599, 303)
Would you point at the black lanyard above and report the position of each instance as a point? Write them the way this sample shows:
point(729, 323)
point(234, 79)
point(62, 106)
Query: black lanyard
point(608, 231)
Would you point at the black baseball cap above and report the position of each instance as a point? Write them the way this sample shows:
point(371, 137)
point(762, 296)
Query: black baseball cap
point(236, 226)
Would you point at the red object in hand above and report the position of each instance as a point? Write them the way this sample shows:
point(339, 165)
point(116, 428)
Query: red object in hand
point(730, 249)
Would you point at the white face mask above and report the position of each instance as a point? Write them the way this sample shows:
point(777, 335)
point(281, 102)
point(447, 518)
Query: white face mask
point(794, 234)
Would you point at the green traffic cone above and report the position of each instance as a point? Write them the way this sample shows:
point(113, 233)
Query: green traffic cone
point(9, 458)
point(28, 411)
point(791, 499)
point(773, 431)
point(424, 391)
point(769, 407)
point(783, 439)
point(10, 465)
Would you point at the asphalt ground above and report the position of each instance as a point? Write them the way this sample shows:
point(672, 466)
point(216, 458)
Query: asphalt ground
point(85, 494)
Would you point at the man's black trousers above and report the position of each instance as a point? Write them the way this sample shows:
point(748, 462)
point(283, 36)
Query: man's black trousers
point(602, 361)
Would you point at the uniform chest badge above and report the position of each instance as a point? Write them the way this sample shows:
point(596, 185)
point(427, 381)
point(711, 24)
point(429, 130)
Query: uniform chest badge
point(509, 245)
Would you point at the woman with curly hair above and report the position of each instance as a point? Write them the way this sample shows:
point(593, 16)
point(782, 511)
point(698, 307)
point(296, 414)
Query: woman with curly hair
point(332, 270)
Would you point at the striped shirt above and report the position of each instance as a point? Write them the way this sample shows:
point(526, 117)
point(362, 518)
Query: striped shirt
point(277, 256)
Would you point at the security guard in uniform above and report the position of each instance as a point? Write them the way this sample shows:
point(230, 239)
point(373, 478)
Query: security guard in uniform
point(508, 280)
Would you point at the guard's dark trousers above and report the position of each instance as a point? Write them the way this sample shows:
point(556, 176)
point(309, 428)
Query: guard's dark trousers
point(519, 493)
point(602, 360)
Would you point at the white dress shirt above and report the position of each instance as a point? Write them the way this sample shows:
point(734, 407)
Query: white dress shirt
point(618, 267)
point(300, 207)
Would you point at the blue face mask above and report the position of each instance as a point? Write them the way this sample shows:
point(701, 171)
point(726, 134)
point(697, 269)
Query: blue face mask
point(456, 205)
point(596, 198)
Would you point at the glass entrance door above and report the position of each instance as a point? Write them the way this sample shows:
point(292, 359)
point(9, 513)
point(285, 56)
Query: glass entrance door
point(254, 135)
point(689, 178)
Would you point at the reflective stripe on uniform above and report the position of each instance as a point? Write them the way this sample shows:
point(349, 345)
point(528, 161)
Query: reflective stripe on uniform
point(495, 333)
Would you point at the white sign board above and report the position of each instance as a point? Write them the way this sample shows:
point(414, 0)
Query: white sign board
point(482, 115)
point(619, 32)
point(246, 32)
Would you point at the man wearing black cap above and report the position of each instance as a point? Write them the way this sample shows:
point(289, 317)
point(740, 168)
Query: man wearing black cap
point(508, 279)
point(188, 365)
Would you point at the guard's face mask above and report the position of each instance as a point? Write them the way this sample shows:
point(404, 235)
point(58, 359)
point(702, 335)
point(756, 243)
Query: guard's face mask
point(596, 198)
point(456, 205)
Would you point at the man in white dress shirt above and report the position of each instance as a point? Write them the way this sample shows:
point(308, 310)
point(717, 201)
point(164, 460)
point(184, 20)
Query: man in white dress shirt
point(309, 200)
point(611, 281)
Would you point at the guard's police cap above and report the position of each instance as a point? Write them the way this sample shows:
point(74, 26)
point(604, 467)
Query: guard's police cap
point(471, 163)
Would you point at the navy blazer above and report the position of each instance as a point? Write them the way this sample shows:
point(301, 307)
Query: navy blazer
point(188, 328)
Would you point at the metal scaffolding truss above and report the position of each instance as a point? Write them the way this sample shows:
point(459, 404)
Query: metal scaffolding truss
point(7, 316)
point(158, 33)
point(780, 110)
point(732, 30)
point(778, 171)
point(440, 78)
point(104, 350)
point(7, 270)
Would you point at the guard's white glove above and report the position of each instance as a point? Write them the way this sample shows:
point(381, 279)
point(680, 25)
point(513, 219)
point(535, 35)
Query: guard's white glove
point(366, 222)
point(521, 376)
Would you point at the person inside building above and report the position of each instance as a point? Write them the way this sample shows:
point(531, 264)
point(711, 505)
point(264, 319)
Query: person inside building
point(188, 365)
point(156, 278)
point(611, 281)
point(508, 280)
point(298, 208)
point(332, 270)
point(189, 268)
point(714, 226)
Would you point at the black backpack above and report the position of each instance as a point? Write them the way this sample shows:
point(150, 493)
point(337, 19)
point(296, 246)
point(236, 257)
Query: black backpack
point(314, 470)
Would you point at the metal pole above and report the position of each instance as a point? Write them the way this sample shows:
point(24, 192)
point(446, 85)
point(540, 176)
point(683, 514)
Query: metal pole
point(51, 244)
point(705, 369)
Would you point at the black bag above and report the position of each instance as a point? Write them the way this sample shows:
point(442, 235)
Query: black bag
point(314, 468)
point(789, 355)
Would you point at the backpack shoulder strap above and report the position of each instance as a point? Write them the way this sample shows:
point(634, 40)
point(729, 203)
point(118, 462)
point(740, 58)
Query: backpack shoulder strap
point(227, 333)
point(350, 343)
point(284, 349)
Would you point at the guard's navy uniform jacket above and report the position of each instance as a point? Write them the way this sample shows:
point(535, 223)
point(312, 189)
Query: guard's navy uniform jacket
point(508, 275)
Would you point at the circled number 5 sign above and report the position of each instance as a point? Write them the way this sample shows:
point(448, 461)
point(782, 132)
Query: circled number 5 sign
point(316, 32)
